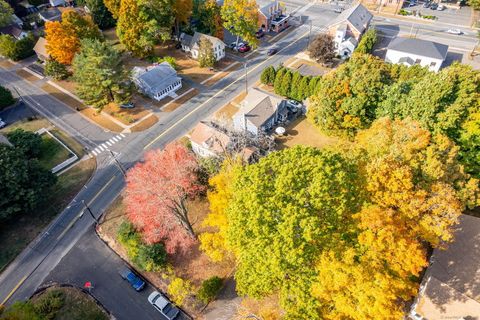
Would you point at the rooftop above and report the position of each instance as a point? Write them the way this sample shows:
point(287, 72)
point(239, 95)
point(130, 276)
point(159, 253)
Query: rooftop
point(207, 136)
point(157, 77)
point(51, 14)
point(419, 47)
point(357, 15)
point(259, 106)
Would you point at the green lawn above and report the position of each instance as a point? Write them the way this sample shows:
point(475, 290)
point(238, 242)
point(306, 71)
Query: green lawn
point(52, 153)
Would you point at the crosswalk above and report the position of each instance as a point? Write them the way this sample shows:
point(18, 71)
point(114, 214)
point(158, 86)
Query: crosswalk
point(107, 144)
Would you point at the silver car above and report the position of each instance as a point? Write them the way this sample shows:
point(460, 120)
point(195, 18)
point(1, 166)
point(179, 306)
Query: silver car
point(161, 303)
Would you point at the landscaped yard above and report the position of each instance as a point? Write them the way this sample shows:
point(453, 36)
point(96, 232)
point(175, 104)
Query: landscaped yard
point(77, 305)
point(194, 266)
point(302, 132)
point(52, 153)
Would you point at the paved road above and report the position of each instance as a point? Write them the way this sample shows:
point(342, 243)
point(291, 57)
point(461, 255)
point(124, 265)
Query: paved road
point(33, 266)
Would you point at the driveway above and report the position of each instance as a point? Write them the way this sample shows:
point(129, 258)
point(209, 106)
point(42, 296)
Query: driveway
point(92, 260)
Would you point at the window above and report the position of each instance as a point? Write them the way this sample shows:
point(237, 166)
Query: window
point(418, 61)
point(433, 64)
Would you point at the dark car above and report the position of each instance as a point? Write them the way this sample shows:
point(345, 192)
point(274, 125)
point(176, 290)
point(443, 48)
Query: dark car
point(271, 51)
point(244, 48)
point(128, 105)
point(427, 4)
point(134, 280)
point(433, 6)
point(259, 34)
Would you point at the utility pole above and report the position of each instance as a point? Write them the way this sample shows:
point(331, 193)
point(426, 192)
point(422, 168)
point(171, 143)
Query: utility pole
point(90, 211)
point(310, 34)
point(118, 164)
point(246, 75)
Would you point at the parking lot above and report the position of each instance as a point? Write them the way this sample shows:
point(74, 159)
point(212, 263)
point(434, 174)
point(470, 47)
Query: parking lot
point(460, 17)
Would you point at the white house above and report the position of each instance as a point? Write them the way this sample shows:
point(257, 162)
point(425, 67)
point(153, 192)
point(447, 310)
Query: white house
point(191, 44)
point(410, 52)
point(208, 141)
point(259, 112)
point(157, 81)
point(348, 28)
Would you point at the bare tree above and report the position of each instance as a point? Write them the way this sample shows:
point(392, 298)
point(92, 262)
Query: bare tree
point(322, 48)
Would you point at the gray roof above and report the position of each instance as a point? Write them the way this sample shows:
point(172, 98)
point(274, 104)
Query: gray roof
point(419, 47)
point(12, 30)
point(51, 14)
point(357, 15)
point(259, 106)
point(157, 78)
point(191, 42)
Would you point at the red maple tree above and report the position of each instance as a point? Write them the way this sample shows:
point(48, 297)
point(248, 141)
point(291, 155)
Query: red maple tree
point(156, 194)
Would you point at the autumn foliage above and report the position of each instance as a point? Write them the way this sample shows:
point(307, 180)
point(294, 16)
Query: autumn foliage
point(156, 194)
point(62, 43)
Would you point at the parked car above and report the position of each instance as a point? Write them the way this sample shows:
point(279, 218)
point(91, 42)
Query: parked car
point(3, 124)
point(338, 9)
point(259, 34)
point(441, 7)
point(433, 6)
point(272, 51)
point(128, 105)
point(244, 48)
point(427, 4)
point(236, 47)
point(455, 31)
point(134, 280)
point(294, 105)
point(161, 303)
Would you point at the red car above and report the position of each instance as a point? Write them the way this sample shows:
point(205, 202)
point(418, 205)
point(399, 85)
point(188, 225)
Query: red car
point(244, 48)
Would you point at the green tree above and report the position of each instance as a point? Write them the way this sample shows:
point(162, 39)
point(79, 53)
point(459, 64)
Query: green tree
point(475, 4)
point(292, 204)
point(209, 289)
point(303, 88)
point(16, 49)
point(82, 25)
point(21, 311)
point(56, 70)
point(99, 71)
point(142, 23)
point(6, 13)
point(346, 99)
point(27, 142)
point(268, 75)
point(368, 41)
point(240, 17)
point(277, 84)
point(113, 7)
point(286, 84)
point(206, 56)
point(24, 184)
point(6, 98)
point(100, 14)
point(294, 92)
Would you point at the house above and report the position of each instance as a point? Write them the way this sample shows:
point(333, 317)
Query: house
point(272, 17)
point(157, 81)
point(410, 51)
point(14, 30)
point(191, 44)
point(451, 286)
point(348, 28)
point(260, 112)
point(40, 49)
point(208, 141)
point(50, 14)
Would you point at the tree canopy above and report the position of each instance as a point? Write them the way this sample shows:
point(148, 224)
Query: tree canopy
point(240, 17)
point(6, 12)
point(322, 48)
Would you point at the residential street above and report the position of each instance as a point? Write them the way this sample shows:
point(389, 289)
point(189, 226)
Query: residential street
point(69, 251)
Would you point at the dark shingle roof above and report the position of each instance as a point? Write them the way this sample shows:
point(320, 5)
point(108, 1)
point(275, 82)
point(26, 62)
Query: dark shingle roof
point(419, 47)
point(358, 16)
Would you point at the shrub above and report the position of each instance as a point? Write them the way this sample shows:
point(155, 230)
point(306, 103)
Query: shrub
point(56, 70)
point(367, 42)
point(179, 289)
point(6, 98)
point(209, 289)
point(16, 49)
point(151, 257)
point(28, 142)
point(49, 303)
point(404, 12)
point(129, 238)
point(170, 60)
point(429, 17)
point(21, 310)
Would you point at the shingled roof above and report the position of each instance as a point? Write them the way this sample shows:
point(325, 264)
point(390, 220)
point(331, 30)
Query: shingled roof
point(357, 15)
point(419, 47)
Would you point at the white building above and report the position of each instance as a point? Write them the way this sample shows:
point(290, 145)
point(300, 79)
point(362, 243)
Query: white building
point(191, 44)
point(158, 81)
point(409, 52)
point(208, 141)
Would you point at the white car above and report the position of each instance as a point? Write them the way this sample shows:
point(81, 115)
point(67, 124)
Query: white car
point(441, 7)
point(2, 123)
point(161, 303)
point(455, 31)
point(234, 45)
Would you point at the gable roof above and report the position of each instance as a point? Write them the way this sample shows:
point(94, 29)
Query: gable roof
point(12, 30)
point(451, 286)
point(265, 10)
point(209, 137)
point(40, 47)
point(156, 78)
point(193, 41)
point(357, 15)
point(51, 14)
point(258, 106)
point(419, 47)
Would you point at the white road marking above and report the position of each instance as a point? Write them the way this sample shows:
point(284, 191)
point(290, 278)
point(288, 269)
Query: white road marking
point(122, 135)
point(115, 139)
point(103, 145)
point(94, 153)
point(100, 147)
point(109, 143)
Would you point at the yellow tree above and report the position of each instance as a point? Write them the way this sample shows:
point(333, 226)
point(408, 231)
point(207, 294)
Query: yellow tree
point(62, 43)
point(82, 25)
point(183, 11)
point(113, 6)
point(241, 18)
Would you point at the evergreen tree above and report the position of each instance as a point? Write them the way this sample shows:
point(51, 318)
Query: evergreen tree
point(278, 80)
point(206, 56)
point(286, 83)
point(303, 88)
point(294, 87)
point(6, 98)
